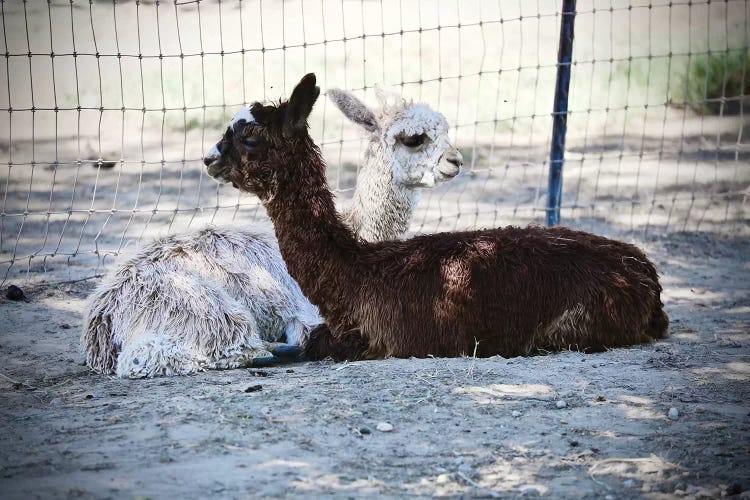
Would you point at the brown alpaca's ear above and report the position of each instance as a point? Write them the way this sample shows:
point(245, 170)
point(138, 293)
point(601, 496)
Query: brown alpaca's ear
point(300, 105)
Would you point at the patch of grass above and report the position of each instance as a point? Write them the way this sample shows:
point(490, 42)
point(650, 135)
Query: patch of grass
point(708, 78)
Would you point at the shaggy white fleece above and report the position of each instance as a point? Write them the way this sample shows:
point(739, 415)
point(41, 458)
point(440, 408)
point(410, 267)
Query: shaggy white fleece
point(189, 302)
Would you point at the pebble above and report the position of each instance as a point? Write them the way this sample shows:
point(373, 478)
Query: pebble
point(673, 413)
point(364, 430)
point(530, 491)
point(384, 427)
point(15, 293)
point(515, 413)
point(254, 388)
point(443, 479)
point(560, 404)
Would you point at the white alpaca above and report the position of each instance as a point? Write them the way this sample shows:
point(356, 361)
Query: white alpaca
point(211, 298)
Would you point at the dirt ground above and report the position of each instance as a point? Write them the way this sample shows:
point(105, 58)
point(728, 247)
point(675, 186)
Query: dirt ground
point(563, 425)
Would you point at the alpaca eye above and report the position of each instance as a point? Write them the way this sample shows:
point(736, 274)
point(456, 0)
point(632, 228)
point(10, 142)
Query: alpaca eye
point(251, 142)
point(412, 141)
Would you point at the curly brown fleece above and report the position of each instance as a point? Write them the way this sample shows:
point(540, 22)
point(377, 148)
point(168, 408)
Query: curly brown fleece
point(509, 291)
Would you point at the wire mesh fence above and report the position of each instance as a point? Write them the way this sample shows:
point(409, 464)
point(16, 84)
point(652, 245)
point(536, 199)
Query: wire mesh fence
point(108, 106)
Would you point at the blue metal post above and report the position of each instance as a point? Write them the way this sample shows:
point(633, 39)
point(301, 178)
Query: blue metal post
point(560, 113)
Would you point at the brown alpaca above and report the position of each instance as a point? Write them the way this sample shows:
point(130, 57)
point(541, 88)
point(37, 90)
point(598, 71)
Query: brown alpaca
point(509, 291)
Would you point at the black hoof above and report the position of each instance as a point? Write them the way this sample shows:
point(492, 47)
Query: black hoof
point(289, 352)
point(267, 361)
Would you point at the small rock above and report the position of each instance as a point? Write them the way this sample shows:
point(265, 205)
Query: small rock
point(673, 413)
point(290, 370)
point(364, 430)
point(384, 427)
point(15, 293)
point(254, 388)
point(529, 491)
point(628, 483)
point(443, 479)
point(600, 398)
point(515, 413)
point(65, 326)
point(560, 404)
point(89, 396)
point(573, 443)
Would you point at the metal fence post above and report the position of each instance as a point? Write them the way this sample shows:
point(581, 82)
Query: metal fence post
point(560, 113)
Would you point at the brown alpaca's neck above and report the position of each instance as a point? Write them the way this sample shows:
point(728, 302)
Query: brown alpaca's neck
point(320, 252)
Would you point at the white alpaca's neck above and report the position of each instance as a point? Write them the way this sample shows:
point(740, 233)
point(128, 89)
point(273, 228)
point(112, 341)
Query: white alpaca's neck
point(381, 207)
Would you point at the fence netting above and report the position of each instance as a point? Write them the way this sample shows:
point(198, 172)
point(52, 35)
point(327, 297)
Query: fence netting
point(106, 108)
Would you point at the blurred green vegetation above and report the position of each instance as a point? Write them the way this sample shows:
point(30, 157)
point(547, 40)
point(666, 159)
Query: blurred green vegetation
point(710, 77)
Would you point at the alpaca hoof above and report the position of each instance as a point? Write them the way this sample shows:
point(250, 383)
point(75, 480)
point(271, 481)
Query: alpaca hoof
point(289, 352)
point(266, 362)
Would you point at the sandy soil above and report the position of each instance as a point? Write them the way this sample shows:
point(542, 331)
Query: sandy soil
point(461, 427)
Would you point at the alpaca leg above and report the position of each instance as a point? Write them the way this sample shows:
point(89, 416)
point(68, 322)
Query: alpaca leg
point(158, 355)
point(163, 356)
point(294, 332)
point(291, 352)
point(248, 357)
point(323, 343)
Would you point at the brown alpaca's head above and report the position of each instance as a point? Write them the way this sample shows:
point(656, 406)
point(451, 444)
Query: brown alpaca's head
point(266, 146)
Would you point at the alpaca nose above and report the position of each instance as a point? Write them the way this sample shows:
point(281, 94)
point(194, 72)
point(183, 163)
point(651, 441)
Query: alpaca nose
point(455, 158)
point(213, 154)
point(450, 165)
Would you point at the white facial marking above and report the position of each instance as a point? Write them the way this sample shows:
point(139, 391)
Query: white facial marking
point(243, 114)
point(213, 153)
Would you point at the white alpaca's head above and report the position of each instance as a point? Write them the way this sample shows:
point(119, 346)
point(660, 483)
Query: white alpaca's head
point(412, 138)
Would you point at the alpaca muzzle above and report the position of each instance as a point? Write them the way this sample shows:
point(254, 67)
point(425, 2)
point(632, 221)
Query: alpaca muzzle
point(450, 164)
point(216, 166)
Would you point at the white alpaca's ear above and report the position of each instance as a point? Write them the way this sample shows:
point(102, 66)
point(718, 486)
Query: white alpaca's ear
point(354, 109)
